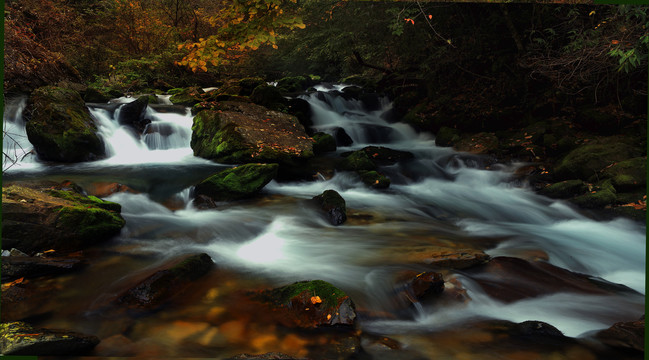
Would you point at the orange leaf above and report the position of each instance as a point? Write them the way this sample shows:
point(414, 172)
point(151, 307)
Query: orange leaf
point(315, 300)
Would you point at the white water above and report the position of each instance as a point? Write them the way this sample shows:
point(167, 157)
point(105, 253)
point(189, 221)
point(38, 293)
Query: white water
point(440, 193)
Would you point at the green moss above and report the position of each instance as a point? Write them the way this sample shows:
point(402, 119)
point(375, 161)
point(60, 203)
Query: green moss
point(239, 182)
point(329, 294)
point(193, 267)
point(598, 199)
point(86, 200)
point(565, 189)
point(268, 96)
point(211, 141)
point(89, 222)
point(185, 97)
point(374, 180)
point(358, 160)
point(587, 161)
point(323, 143)
point(248, 85)
point(292, 84)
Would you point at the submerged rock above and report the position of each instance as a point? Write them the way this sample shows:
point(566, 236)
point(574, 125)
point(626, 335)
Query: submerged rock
point(311, 304)
point(36, 220)
point(20, 338)
point(60, 126)
point(333, 205)
point(374, 180)
point(237, 183)
point(163, 284)
point(14, 267)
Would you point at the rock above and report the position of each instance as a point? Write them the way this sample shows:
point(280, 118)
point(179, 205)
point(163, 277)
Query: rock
point(342, 139)
point(186, 97)
point(268, 96)
point(323, 143)
point(36, 220)
point(627, 175)
point(20, 338)
point(248, 85)
point(132, 114)
point(374, 180)
point(565, 189)
point(266, 356)
point(105, 189)
point(447, 136)
point(166, 283)
point(385, 156)
point(333, 205)
point(357, 161)
point(435, 256)
point(480, 143)
point(93, 95)
point(311, 304)
point(586, 161)
point(245, 133)
point(60, 126)
point(420, 287)
point(536, 329)
point(237, 183)
point(301, 109)
point(629, 335)
point(14, 267)
point(604, 194)
point(293, 84)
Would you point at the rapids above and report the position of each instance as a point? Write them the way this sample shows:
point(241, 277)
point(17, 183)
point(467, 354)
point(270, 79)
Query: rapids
point(439, 197)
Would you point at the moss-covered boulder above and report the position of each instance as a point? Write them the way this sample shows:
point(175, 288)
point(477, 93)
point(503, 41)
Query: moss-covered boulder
point(164, 284)
point(628, 174)
point(586, 161)
point(244, 133)
point(20, 338)
point(357, 161)
point(333, 205)
point(385, 156)
point(447, 136)
point(93, 95)
point(247, 85)
point(323, 143)
point(293, 84)
point(60, 126)
point(237, 183)
point(374, 179)
point(311, 304)
point(39, 219)
point(565, 189)
point(268, 96)
point(186, 97)
point(602, 195)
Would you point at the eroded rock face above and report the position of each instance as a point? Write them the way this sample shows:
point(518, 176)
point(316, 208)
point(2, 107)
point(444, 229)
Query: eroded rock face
point(20, 338)
point(237, 183)
point(36, 219)
point(60, 126)
point(242, 132)
point(311, 304)
point(165, 283)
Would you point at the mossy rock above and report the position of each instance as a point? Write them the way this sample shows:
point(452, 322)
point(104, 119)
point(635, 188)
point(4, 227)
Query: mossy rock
point(93, 95)
point(293, 84)
point(382, 155)
point(600, 198)
point(565, 189)
point(333, 205)
point(627, 174)
point(60, 126)
point(186, 97)
point(447, 136)
point(359, 80)
point(248, 85)
point(268, 96)
point(311, 304)
point(374, 180)
point(213, 140)
point(237, 183)
point(586, 161)
point(164, 284)
point(20, 338)
point(323, 143)
point(35, 220)
point(357, 161)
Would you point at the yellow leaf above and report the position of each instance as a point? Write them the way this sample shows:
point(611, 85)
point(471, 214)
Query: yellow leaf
point(315, 300)
point(591, 13)
point(204, 68)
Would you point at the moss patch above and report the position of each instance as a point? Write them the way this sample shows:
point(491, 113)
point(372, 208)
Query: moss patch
point(237, 183)
point(87, 222)
point(357, 161)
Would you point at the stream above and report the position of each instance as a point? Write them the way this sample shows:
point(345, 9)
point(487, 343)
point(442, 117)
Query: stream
point(439, 198)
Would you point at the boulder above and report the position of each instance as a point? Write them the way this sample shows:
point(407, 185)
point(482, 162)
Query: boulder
point(374, 180)
point(434, 256)
point(586, 161)
point(630, 335)
point(186, 97)
point(246, 133)
point(310, 304)
point(604, 194)
point(565, 189)
point(248, 85)
point(133, 113)
point(301, 109)
point(164, 284)
point(627, 175)
point(293, 84)
point(20, 338)
point(381, 155)
point(480, 143)
point(333, 205)
point(14, 267)
point(60, 126)
point(93, 95)
point(237, 183)
point(36, 220)
point(323, 143)
point(342, 138)
point(358, 161)
point(268, 96)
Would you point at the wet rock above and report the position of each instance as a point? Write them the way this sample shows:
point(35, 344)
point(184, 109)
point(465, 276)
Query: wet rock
point(268, 96)
point(93, 95)
point(323, 143)
point(36, 219)
point(132, 114)
point(20, 338)
point(164, 284)
point(629, 335)
point(186, 97)
point(480, 143)
point(447, 136)
point(381, 155)
point(237, 183)
point(333, 205)
point(627, 175)
point(60, 126)
point(14, 267)
point(244, 133)
point(436, 256)
point(426, 284)
point(535, 329)
point(248, 85)
point(565, 189)
point(105, 189)
point(342, 138)
point(374, 180)
point(266, 356)
point(357, 161)
point(311, 304)
point(301, 109)
point(293, 84)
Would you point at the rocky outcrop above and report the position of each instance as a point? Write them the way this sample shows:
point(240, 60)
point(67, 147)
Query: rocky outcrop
point(237, 183)
point(333, 205)
point(164, 284)
point(37, 219)
point(310, 304)
point(240, 132)
point(20, 338)
point(60, 126)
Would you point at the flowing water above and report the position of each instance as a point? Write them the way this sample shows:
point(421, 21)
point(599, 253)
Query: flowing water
point(439, 198)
